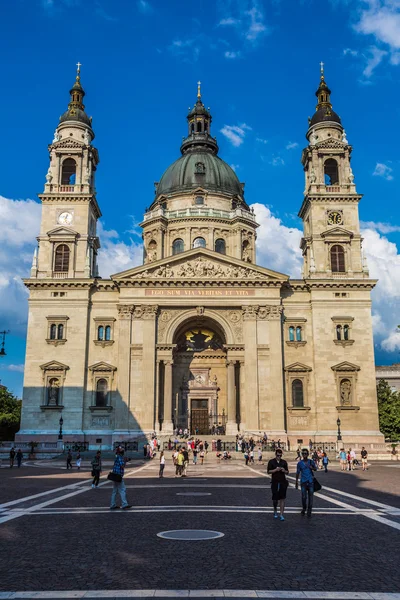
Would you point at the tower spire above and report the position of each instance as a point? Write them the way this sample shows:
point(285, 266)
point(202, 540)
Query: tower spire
point(323, 93)
point(199, 121)
point(76, 108)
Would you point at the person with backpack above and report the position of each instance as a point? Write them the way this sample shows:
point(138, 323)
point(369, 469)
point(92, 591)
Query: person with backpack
point(305, 468)
point(117, 477)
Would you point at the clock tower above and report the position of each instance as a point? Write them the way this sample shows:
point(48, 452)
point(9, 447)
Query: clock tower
point(68, 241)
point(332, 244)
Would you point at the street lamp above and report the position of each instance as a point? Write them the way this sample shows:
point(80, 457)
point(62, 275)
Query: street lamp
point(3, 335)
point(339, 435)
point(60, 434)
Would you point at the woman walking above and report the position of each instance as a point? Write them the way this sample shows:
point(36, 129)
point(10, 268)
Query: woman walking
point(78, 461)
point(162, 465)
point(96, 469)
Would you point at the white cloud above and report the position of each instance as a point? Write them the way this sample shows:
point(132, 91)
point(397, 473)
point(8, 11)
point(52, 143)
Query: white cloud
point(231, 54)
point(261, 140)
point(384, 264)
point(116, 255)
point(256, 26)
point(278, 246)
point(291, 145)
point(382, 170)
point(277, 161)
point(229, 21)
point(381, 18)
point(144, 7)
point(373, 59)
point(349, 51)
point(381, 227)
point(20, 221)
point(234, 167)
point(235, 133)
point(16, 368)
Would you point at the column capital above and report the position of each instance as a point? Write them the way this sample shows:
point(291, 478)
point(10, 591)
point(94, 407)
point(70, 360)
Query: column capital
point(125, 311)
point(249, 312)
point(230, 363)
point(270, 313)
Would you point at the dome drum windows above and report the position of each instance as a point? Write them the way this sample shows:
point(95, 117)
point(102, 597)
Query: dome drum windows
point(57, 330)
point(220, 246)
point(199, 242)
point(178, 246)
point(104, 331)
point(295, 331)
point(342, 332)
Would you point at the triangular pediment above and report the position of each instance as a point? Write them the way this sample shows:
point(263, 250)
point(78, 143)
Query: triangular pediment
point(331, 143)
point(68, 143)
point(337, 232)
point(102, 366)
point(63, 231)
point(200, 264)
point(298, 367)
point(54, 365)
point(345, 366)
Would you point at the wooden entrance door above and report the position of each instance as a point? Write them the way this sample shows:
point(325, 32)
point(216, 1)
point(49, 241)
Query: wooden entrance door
point(199, 421)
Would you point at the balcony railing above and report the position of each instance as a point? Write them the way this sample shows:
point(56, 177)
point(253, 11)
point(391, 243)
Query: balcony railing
point(200, 212)
point(333, 188)
point(60, 274)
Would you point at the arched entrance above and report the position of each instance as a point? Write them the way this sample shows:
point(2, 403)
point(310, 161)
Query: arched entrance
point(200, 377)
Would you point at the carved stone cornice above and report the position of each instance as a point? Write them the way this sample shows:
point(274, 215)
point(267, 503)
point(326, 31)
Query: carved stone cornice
point(343, 342)
point(296, 344)
point(145, 311)
point(270, 313)
point(125, 311)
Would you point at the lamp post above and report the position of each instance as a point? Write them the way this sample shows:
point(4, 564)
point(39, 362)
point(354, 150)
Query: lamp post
point(339, 434)
point(3, 341)
point(60, 433)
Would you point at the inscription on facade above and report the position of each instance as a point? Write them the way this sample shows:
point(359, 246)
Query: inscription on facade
point(198, 292)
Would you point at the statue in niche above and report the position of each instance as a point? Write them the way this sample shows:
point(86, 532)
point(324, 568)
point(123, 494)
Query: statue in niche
point(49, 176)
point(246, 253)
point(86, 137)
point(344, 137)
point(152, 255)
point(351, 175)
point(53, 391)
point(345, 392)
point(56, 137)
point(313, 178)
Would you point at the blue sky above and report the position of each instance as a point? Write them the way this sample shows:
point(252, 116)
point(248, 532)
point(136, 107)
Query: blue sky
point(259, 66)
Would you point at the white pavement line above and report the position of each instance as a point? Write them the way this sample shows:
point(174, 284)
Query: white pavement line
point(182, 509)
point(274, 594)
point(354, 497)
point(53, 491)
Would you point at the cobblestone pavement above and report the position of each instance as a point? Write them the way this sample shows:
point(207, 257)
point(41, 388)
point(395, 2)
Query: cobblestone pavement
point(57, 533)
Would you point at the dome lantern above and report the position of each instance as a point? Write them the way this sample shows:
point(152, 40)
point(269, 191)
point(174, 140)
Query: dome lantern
point(323, 110)
point(76, 108)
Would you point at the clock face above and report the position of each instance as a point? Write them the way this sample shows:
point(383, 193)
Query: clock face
point(335, 218)
point(65, 218)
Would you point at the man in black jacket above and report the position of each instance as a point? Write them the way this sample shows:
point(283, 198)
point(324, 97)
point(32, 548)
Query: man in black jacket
point(278, 469)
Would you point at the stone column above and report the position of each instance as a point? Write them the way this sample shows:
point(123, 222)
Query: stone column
point(251, 416)
point(242, 415)
point(167, 427)
point(149, 364)
point(231, 425)
point(157, 401)
point(124, 357)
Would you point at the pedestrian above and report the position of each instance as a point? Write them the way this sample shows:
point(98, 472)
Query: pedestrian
point(325, 461)
point(206, 444)
point(119, 486)
point(278, 469)
point(343, 459)
point(259, 455)
point(305, 468)
point(145, 451)
point(251, 456)
point(179, 463)
point(348, 458)
point(78, 461)
point(195, 456)
point(69, 460)
point(185, 462)
point(364, 459)
point(246, 457)
point(162, 465)
point(96, 469)
point(353, 459)
point(202, 457)
point(12, 457)
point(298, 454)
point(19, 458)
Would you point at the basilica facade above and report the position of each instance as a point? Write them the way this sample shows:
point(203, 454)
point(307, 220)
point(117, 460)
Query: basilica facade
point(199, 336)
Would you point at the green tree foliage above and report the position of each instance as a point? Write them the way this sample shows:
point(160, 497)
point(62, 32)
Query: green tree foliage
point(389, 411)
point(10, 414)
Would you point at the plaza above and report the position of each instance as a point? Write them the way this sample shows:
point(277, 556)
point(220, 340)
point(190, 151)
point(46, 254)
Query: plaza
point(51, 520)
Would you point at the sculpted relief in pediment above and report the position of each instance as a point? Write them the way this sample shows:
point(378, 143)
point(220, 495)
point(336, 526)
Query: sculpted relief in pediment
point(199, 268)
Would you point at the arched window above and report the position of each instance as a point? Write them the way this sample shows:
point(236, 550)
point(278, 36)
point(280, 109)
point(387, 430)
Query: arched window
point(60, 331)
point(101, 392)
point(346, 329)
point(100, 332)
point(199, 242)
point(205, 126)
point(298, 334)
point(337, 259)
point(198, 126)
point(68, 172)
point(331, 172)
point(192, 128)
point(338, 332)
point(291, 334)
point(53, 331)
point(178, 246)
point(108, 333)
point(297, 393)
point(220, 246)
point(61, 259)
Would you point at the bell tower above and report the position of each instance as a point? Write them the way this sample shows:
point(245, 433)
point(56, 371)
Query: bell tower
point(332, 244)
point(68, 241)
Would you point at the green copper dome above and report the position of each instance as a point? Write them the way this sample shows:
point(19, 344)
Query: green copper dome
point(199, 169)
point(199, 165)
